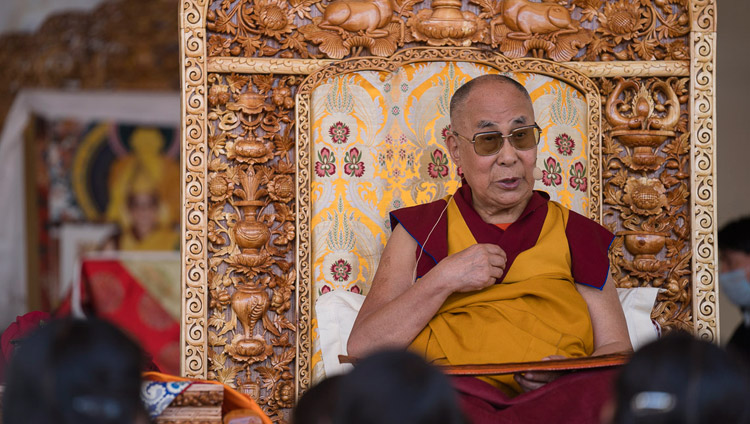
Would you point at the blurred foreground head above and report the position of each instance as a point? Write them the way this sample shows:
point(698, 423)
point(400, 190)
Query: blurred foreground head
point(681, 379)
point(75, 371)
point(396, 387)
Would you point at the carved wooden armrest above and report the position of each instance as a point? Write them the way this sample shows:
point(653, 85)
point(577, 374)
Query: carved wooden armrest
point(198, 404)
point(567, 364)
point(243, 416)
point(201, 403)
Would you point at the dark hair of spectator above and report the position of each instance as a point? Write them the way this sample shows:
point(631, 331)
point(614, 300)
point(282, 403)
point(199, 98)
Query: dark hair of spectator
point(74, 371)
point(318, 404)
point(396, 387)
point(735, 236)
point(680, 379)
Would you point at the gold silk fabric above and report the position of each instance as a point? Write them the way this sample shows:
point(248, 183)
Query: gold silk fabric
point(534, 313)
point(378, 144)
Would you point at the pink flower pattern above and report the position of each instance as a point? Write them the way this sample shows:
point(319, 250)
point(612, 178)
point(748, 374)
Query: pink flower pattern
point(578, 177)
point(439, 166)
point(341, 270)
point(326, 164)
point(444, 133)
point(339, 132)
point(353, 163)
point(551, 173)
point(565, 144)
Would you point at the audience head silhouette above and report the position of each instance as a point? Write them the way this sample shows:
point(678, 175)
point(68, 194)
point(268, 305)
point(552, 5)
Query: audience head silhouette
point(318, 404)
point(681, 379)
point(396, 387)
point(75, 371)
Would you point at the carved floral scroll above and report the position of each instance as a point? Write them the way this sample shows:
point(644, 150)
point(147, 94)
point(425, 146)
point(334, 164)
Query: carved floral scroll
point(582, 30)
point(646, 189)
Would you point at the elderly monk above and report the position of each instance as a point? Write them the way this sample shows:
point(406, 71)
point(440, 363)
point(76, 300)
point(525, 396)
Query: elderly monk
point(496, 272)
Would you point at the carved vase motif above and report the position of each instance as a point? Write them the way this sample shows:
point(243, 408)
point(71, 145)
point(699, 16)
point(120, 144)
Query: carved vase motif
point(250, 388)
point(250, 304)
point(446, 23)
point(644, 246)
point(251, 235)
point(637, 125)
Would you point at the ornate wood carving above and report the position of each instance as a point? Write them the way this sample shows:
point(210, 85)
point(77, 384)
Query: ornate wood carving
point(703, 15)
point(194, 173)
point(703, 192)
point(251, 321)
point(575, 30)
point(200, 394)
point(121, 45)
point(199, 403)
point(646, 189)
point(246, 65)
point(190, 415)
point(252, 308)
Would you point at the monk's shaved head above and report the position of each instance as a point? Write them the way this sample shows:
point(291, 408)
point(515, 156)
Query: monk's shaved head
point(460, 96)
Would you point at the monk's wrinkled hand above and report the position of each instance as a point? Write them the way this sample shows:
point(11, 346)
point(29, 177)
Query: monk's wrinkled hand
point(535, 379)
point(473, 268)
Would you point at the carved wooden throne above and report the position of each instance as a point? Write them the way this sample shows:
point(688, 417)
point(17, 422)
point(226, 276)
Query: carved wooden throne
point(258, 249)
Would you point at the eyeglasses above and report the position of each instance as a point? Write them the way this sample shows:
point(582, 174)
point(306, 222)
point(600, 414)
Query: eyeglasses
point(489, 143)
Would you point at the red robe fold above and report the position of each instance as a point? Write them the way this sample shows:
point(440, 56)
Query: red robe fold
point(588, 241)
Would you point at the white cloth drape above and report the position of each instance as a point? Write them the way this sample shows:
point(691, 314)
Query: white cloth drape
point(123, 107)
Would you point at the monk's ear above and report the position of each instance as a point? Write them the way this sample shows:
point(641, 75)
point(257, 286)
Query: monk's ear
point(451, 141)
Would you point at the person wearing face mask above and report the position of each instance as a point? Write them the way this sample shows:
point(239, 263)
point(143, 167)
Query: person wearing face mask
point(734, 277)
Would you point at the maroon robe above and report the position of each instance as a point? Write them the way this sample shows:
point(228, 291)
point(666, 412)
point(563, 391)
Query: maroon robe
point(576, 397)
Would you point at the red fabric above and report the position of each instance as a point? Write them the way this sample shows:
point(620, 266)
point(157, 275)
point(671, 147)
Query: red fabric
point(419, 220)
point(589, 244)
point(110, 292)
point(588, 241)
point(520, 236)
point(23, 325)
point(573, 398)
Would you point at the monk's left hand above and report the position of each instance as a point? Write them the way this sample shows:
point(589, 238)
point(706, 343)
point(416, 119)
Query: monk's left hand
point(535, 379)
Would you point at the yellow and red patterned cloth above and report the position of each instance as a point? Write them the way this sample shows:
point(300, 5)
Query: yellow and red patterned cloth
point(377, 142)
point(141, 297)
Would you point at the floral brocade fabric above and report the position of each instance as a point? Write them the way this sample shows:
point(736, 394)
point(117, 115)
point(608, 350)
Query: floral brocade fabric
point(378, 144)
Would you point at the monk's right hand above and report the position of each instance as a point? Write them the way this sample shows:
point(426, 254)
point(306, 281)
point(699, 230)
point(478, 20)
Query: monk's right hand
point(473, 268)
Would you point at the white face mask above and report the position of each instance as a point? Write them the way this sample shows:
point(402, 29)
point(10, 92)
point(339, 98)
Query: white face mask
point(736, 287)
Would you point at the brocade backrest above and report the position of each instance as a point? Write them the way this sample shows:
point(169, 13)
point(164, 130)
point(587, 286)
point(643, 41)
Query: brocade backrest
point(377, 143)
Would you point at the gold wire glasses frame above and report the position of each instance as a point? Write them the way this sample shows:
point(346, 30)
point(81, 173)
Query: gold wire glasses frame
point(489, 143)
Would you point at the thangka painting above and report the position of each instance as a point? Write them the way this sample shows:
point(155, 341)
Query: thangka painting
point(101, 186)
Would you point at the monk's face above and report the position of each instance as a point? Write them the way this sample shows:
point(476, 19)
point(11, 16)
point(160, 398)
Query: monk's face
point(501, 183)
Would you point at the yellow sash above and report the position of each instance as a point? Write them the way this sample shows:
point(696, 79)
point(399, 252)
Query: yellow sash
point(535, 312)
